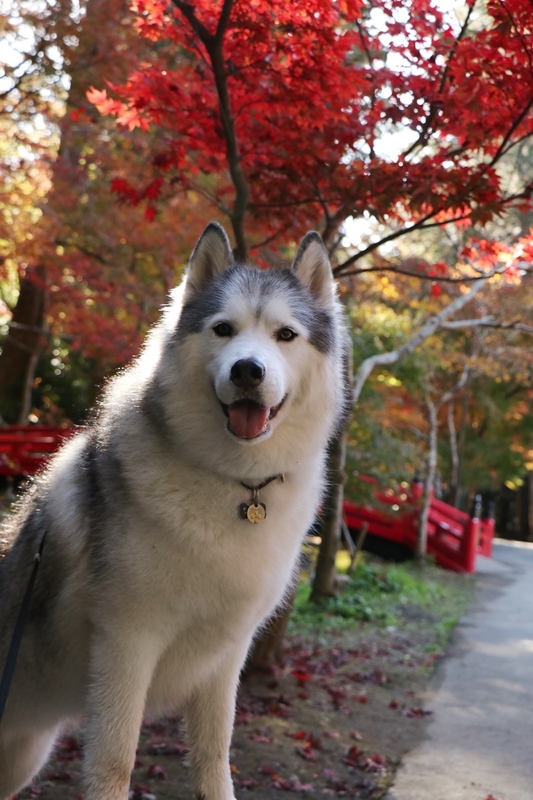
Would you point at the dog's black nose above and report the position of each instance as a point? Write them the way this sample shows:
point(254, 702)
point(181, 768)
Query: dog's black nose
point(247, 373)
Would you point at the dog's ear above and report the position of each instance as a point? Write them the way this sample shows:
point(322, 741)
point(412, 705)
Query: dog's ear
point(211, 256)
point(311, 266)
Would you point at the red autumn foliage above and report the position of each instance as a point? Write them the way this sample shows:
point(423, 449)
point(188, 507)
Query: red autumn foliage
point(396, 112)
point(302, 676)
point(311, 88)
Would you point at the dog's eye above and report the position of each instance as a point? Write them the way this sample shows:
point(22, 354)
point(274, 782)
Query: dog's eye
point(286, 335)
point(223, 329)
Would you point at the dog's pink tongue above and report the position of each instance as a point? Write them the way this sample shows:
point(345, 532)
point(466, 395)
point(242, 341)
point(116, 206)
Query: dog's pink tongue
point(247, 419)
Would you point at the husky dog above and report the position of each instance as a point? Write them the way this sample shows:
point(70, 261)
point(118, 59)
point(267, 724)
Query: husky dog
point(173, 521)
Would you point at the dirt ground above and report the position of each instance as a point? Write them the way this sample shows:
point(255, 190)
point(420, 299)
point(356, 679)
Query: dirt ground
point(335, 722)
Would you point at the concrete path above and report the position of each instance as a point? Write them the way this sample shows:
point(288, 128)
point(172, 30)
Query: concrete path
point(480, 738)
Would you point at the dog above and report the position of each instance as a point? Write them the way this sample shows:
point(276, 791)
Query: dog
point(174, 521)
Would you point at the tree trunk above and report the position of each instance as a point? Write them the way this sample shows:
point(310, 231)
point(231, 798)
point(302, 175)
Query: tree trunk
point(529, 484)
point(325, 573)
point(330, 529)
point(525, 508)
point(21, 348)
point(455, 496)
point(453, 493)
point(422, 539)
point(266, 652)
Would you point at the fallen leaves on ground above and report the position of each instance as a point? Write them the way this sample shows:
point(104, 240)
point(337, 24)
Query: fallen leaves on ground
point(323, 725)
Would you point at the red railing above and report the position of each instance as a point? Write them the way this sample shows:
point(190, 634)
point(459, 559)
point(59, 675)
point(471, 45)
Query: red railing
point(25, 448)
point(454, 537)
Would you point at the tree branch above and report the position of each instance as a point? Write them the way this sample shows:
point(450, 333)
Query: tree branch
point(487, 322)
point(447, 396)
point(188, 12)
point(427, 330)
point(422, 275)
point(214, 47)
point(421, 224)
point(434, 106)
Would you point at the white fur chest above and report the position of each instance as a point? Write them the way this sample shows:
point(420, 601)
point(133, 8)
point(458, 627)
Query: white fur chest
point(199, 545)
point(210, 578)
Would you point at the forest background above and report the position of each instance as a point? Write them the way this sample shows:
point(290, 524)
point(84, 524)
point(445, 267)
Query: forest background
point(401, 131)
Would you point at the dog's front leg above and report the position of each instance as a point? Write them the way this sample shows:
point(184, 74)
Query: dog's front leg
point(209, 717)
point(122, 670)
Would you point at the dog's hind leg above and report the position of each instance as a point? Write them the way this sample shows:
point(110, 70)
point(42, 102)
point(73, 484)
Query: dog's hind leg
point(21, 757)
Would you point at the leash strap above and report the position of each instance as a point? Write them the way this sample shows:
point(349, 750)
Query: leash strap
point(16, 639)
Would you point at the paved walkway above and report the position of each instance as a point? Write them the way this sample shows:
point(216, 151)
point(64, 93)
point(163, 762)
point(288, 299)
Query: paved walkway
point(480, 738)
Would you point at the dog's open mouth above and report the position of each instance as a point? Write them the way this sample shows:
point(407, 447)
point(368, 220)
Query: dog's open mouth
point(248, 419)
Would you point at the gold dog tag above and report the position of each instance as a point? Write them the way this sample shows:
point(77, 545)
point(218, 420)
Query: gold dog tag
point(253, 512)
point(256, 513)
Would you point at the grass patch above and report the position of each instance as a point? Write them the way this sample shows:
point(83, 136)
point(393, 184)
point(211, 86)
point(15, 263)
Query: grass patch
point(383, 594)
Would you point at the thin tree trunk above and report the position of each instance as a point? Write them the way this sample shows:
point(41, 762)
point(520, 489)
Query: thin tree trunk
point(433, 410)
point(330, 529)
point(525, 508)
point(529, 484)
point(421, 542)
point(325, 573)
point(454, 501)
point(27, 390)
point(454, 456)
point(266, 652)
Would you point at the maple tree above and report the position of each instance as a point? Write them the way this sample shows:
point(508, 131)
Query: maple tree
point(288, 103)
